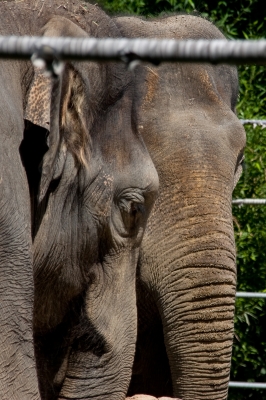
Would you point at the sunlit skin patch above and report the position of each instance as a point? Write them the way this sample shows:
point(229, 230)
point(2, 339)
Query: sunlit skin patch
point(151, 84)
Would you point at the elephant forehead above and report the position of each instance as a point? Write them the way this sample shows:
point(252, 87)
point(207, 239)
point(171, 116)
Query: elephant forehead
point(188, 86)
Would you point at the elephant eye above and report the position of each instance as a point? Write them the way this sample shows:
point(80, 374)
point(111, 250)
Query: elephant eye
point(136, 208)
point(131, 212)
point(240, 161)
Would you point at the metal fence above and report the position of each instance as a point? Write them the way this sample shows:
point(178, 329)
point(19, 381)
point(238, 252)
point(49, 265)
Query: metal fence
point(240, 202)
point(153, 50)
point(132, 51)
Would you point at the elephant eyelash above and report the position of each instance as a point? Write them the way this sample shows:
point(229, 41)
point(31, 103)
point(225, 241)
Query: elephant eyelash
point(240, 161)
point(131, 206)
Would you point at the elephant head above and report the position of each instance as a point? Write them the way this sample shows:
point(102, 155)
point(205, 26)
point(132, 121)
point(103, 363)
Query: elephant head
point(92, 185)
point(187, 268)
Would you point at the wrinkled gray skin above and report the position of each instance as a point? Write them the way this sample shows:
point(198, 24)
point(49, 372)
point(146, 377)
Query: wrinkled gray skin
point(187, 273)
point(76, 188)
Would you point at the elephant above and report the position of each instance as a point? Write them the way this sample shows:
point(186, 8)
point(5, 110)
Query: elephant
point(77, 186)
point(186, 274)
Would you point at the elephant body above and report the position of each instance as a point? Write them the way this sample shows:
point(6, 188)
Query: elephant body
point(186, 277)
point(77, 185)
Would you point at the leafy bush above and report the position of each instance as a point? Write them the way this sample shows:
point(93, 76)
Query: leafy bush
point(244, 19)
point(249, 351)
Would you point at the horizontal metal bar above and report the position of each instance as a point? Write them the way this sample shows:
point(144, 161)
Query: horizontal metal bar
point(248, 201)
point(260, 122)
point(251, 294)
point(154, 50)
point(247, 385)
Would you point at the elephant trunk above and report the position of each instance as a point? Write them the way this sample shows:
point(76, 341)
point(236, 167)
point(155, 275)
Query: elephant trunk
point(99, 365)
point(195, 289)
point(198, 330)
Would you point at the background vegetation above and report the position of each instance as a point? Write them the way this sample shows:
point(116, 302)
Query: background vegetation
point(244, 19)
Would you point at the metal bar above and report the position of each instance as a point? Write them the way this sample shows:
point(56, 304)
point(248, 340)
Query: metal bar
point(249, 201)
point(154, 50)
point(251, 295)
point(247, 385)
point(260, 122)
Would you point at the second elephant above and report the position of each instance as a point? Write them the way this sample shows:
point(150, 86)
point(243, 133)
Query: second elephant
point(187, 269)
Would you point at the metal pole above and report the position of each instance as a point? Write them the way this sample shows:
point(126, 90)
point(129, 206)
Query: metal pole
point(248, 201)
point(153, 50)
point(251, 295)
point(254, 122)
point(247, 385)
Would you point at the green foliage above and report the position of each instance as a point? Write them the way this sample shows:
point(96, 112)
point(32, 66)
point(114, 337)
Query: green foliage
point(147, 7)
point(245, 19)
point(249, 352)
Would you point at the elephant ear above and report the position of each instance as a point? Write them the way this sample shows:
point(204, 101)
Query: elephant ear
point(58, 105)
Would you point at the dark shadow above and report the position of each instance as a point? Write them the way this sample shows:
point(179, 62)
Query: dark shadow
point(32, 149)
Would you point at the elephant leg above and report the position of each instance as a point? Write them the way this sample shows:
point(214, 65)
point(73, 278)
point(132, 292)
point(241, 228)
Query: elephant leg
point(18, 379)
